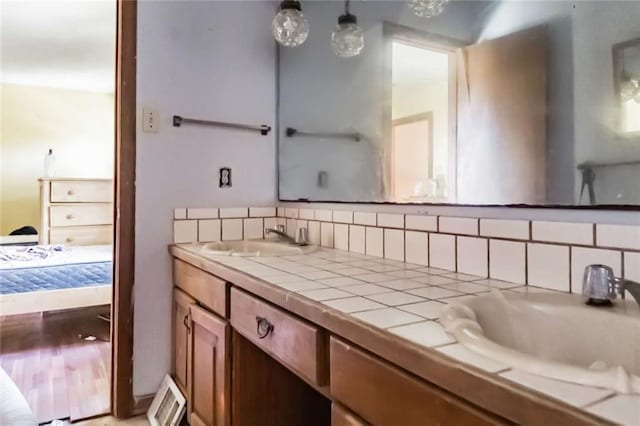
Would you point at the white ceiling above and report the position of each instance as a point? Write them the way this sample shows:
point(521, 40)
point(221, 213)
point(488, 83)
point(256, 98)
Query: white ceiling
point(59, 43)
point(413, 65)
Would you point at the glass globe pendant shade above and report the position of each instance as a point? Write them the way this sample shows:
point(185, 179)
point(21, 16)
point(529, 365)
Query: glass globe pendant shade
point(427, 8)
point(348, 39)
point(290, 27)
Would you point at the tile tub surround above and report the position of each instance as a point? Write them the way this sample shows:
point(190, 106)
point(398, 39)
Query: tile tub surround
point(545, 254)
point(399, 298)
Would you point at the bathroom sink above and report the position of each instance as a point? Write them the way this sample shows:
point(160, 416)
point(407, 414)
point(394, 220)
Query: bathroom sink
point(552, 335)
point(253, 248)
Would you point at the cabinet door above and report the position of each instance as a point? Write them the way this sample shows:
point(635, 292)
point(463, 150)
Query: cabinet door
point(181, 339)
point(210, 369)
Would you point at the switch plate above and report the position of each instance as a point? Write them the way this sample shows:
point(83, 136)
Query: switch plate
point(149, 120)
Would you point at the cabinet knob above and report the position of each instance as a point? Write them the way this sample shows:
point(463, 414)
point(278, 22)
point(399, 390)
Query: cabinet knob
point(69, 216)
point(68, 239)
point(263, 327)
point(70, 192)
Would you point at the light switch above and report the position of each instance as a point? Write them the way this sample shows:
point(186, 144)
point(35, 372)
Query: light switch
point(149, 120)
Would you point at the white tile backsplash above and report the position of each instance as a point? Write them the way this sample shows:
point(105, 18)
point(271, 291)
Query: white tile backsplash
point(390, 220)
point(458, 225)
point(442, 251)
point(507, 261)
point(308, 214)
point(341, 236)
point(549, 266)
point(394, 244)
point(421, 223)
point(262, 211)
point(314, 232)
point(253, 229)
point(324, 215)
point(342, 216)
point(562, 232)
point(473, 256)
point(581, 257)
point(202, 213)
point(632, 266)
point(374, 244)
point(417, 247)
point(502, 228)
point(185, 231)
point(326, 234)
point(619, 236)
point(364, 218)
point(231, 212)
point(356, 238)
point(231, 229)
point(209, 230)
point(552, 257)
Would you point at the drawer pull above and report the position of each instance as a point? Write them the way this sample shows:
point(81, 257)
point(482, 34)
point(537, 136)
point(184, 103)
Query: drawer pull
point(69, 216)
point(70, 192)
point(187, 322)
point(263, 327)
point(68, 239)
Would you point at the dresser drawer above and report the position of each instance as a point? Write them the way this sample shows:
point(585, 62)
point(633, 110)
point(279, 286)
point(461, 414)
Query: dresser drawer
point(69, 191)
point(82, 235)
point(382, 394)
point(297, 344)
point(208, 290)
point(81, 215)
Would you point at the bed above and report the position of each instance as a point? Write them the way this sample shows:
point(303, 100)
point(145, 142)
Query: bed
point(49, 278)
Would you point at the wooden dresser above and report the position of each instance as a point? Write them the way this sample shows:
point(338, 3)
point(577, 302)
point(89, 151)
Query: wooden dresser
point(76, 211)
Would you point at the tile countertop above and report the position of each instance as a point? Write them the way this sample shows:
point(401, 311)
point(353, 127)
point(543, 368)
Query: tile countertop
point(405, 300)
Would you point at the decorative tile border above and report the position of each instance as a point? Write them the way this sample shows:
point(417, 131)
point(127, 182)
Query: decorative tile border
point(546, 254)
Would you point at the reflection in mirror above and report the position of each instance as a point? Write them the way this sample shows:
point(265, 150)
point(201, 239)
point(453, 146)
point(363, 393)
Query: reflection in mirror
point(481, 103)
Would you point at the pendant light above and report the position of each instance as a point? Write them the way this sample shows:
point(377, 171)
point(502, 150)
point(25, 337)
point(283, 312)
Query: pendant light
point(427, 8)
point(290, 27)
point(347, 40)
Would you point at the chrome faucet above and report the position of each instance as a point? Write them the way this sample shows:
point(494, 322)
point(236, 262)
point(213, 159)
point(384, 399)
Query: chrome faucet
point(301, 238)
point(600, 286)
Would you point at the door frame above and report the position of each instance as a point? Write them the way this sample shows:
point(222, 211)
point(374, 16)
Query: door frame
point(123, 404)
point(423, 116)
point(393, 32)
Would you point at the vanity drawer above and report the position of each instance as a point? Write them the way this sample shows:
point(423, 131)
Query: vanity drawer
point(81, 191)
point(82, 235)
point(382, 394)
point(297, 344)
point(81, 215)
point(208, 290)
point(340, 416)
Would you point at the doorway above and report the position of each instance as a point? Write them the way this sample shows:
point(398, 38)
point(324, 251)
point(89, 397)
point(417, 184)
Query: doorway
point(423, 81)
point(58, 204)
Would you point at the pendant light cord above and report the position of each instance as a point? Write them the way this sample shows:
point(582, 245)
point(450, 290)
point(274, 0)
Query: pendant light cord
point(346, 7)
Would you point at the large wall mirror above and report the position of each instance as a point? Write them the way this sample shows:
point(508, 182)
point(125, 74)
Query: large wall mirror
point(508, 102)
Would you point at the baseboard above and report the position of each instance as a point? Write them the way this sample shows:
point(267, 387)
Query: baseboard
point(141, 404)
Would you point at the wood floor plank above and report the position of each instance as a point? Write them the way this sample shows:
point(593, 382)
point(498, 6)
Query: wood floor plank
point(58, 372)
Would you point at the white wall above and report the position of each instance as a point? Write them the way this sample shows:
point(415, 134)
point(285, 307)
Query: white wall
point(210, 60)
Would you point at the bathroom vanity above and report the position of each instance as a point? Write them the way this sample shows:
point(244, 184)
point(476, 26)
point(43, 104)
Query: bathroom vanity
point(247, 352)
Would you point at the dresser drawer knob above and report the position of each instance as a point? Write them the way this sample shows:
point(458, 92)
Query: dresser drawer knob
point(68, 240)
point(263, 327)
point(69, 216)
point(70, 192)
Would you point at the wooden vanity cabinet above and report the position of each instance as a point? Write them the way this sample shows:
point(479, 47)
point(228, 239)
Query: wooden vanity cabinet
point(210, 370)
point(181, 339)
point(242, 360)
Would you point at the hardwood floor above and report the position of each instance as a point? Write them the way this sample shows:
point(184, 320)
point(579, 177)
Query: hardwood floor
point(62, 373)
